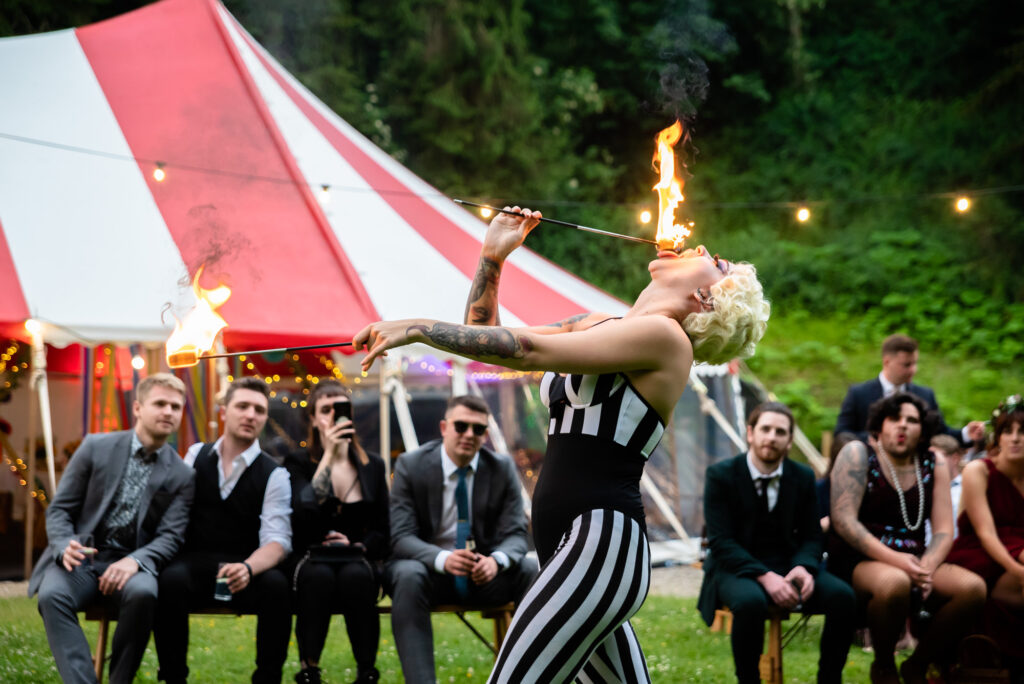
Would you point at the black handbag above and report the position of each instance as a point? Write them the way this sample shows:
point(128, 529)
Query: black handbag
point(335, 553)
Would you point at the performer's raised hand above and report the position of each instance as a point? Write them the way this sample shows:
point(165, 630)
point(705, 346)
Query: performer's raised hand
point(506, 232)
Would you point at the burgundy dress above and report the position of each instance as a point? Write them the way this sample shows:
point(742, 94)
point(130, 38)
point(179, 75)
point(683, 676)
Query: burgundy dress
point(880, 514)
point(1002, 623)
point(1007, 506)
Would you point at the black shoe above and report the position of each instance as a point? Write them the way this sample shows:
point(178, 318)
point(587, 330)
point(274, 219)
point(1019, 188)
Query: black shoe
point(308, 675)
point(368, 676)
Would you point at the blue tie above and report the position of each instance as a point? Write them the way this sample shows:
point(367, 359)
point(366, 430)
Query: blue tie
point(462, 527)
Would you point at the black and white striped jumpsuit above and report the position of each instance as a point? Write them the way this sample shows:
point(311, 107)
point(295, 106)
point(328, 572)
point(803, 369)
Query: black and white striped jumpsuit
point(588, 524)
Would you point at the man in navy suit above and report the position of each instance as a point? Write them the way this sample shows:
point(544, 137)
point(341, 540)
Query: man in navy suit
point(765, 546)
point(899, 363)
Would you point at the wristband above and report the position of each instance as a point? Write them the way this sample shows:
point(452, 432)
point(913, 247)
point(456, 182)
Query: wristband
point(249, 568)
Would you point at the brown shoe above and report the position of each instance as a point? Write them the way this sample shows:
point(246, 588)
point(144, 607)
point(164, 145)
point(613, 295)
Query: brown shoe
point(884, 674)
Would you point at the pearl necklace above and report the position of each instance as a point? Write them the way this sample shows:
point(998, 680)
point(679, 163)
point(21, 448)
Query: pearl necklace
point(899, 490)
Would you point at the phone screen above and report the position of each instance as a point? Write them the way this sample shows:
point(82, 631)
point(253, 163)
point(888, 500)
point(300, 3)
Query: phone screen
point(342, 409)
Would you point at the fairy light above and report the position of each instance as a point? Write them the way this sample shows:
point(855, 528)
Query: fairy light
point(325, 194)
point(803, 214)
point(962, 204)
point(645, 216)
point(138, 363)
point(486, 213)
point(158, 173)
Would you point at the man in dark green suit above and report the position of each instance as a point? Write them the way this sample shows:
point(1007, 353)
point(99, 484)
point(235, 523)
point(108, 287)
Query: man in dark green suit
point(765, 547)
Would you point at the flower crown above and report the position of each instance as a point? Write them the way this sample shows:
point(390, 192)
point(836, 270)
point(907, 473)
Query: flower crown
point(1012, 403)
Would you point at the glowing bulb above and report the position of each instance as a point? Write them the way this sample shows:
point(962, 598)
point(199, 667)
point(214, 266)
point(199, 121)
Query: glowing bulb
point(645, 216)
point(138, 363)
point(325, 194)
point(485, 212)
point(158, 173)
point(802, 214)
point(962, 204)
point(33, 327)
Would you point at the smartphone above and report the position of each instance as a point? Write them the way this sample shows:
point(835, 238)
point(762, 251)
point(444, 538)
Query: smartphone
point(342, 409)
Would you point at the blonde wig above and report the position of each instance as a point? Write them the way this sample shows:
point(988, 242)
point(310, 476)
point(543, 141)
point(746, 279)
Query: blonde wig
point(736, 324)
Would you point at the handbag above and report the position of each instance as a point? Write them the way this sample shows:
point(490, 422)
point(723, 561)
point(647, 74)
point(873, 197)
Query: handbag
point(334, 554)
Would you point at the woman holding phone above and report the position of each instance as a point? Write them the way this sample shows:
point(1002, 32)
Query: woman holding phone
point(341, 533)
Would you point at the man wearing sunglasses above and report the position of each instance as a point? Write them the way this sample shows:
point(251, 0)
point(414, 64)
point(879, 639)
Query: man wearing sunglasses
point(458, 532)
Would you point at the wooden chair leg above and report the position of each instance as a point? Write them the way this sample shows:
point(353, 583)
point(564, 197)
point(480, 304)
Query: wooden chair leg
point(722, 621)
point(771, 662)
point(501, 622)
point(101, 649)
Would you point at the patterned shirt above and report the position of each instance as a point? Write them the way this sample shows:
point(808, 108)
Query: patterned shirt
point(117, 530)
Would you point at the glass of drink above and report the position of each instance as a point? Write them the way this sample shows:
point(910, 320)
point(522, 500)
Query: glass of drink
point(221, 592)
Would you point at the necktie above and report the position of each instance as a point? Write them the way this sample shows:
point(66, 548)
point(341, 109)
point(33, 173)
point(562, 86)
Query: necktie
point(763, 483)
point(462, 527)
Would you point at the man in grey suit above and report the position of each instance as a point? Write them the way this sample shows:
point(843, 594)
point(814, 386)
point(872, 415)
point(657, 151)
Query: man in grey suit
point(118, 516)
point(441, 554)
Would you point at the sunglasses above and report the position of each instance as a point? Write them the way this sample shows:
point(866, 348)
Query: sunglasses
point(478, 429)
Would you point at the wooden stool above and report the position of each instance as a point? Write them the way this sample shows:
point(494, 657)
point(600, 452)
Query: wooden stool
point(771, 660)
point(722, 621)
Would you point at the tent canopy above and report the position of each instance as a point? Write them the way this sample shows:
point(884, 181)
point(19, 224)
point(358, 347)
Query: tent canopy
point(92, 245)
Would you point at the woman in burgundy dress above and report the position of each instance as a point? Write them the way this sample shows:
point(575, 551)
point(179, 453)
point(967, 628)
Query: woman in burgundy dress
point(991, 541)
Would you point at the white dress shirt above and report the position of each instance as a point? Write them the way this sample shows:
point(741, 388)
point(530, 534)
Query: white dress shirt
point(446, 531)
point(275, 516)
point(773, 484)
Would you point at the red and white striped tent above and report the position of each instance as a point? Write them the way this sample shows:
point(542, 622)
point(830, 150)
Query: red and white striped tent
point(93, 246)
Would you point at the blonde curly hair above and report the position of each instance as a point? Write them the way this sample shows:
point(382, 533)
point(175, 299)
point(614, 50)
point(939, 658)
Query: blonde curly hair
point(736, 324)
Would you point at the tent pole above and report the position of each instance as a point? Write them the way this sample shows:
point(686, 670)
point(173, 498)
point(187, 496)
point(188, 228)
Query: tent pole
point(385, 418)
point(39, 381)
point(400, 399)
point(30, 457)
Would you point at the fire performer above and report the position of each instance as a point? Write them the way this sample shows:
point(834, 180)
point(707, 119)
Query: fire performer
point(611, 386)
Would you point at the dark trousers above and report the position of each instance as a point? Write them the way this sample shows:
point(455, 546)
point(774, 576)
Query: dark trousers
point(749, 605)
point(62, 594)
point(349, 588)
point(414, 588)
point(188, 584)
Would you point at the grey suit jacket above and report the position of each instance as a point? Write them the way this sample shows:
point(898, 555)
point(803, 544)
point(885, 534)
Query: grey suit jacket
point(499, 523)
point(88, 486)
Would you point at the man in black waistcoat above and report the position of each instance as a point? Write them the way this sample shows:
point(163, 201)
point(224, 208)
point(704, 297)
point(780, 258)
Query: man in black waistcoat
point(118, 517)
point(765, 547)
point(239, 531)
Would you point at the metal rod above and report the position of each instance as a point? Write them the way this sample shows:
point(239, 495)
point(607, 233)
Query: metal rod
point(279, 349)
point(577, 226)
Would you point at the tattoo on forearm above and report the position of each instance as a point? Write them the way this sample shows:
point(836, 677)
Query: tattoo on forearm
point(849, 480)
point(482, 305)
point(476, 342)
point(322, 485)
point(567, 322)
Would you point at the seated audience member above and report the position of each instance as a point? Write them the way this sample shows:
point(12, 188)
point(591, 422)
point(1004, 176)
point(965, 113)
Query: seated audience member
point(238, 532)
point(991, 541)
point(341, 535)
point(765, 547)
point(953, 453)
point(117, 518)
point(458, 532)
point(882, 494)
point(899, 364)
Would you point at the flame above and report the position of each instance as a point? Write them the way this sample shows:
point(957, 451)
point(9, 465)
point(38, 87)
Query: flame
point(198, 332)
point(670, 190)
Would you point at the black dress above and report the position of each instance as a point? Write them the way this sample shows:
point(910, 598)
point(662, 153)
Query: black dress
point(350, 588)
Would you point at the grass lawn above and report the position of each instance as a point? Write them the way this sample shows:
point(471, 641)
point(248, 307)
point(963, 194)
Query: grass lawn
point(678, 646)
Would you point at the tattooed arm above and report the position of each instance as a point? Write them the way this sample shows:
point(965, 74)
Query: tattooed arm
point(849, 482)
point(642, 343)
point(322, 480)
point(505, 234)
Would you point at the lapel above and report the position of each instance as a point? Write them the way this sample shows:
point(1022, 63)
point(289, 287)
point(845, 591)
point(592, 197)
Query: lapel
point(115, 464)
point(161, 469)
point(481, 492)
point(433, 480)
point(787, 496)
point(876, 391)
point(747, 491)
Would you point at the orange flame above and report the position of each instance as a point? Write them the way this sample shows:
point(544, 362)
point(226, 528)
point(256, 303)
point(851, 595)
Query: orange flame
point(200, 328)
point(670, 190)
